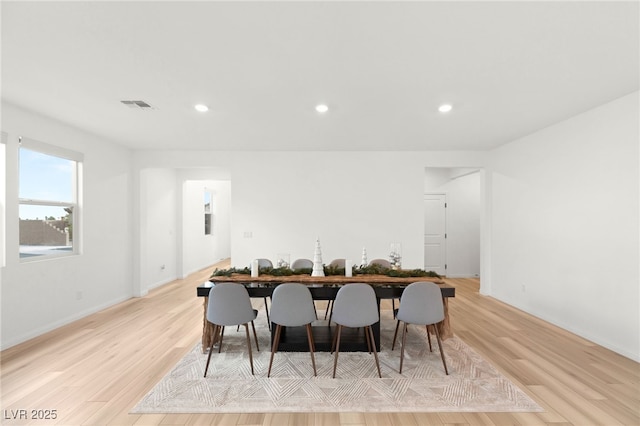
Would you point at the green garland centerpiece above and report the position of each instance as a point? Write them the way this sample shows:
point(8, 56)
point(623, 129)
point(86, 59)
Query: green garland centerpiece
point(329, 270)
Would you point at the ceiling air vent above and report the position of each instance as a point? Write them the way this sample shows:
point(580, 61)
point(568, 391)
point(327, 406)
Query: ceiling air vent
point(137, 104)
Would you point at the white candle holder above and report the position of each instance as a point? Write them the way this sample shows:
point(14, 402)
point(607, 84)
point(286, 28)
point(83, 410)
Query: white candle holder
point(395, 256)
point(283, 260)
point(255, 268)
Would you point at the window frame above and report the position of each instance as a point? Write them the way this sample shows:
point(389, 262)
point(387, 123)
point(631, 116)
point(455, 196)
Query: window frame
point(4, 138)
point(76, 195)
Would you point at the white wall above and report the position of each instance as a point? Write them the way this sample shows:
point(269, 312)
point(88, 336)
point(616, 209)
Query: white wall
point(351, 200)
point(159, 226)
point(172, 241)
point(462, 189)
point(565, 234)
point(38, 296)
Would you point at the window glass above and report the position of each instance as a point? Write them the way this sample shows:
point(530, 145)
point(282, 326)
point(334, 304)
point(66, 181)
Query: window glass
point(45, 177)
point(47, 204)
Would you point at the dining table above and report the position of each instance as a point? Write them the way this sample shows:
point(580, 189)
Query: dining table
point(323, 288)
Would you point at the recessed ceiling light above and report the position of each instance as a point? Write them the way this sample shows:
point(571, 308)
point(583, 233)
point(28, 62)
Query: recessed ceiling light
point(322, 108)
point(201, 108)
point(445, 108)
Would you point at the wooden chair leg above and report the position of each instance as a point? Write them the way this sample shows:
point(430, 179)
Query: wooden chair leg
point(329, 307)
point(333, 341)
point(313, 340)
point(311, 348)
point(337, 348)
point(366, 337)
point(213, 341)
point(221, 336)
point(441, 350)
point(266, 310)
point(393, 345)
point(255, 336)
point(274, 348)
point(246, 329)
point(375, 351)
point(429, 338)
point(329, 311)
point(404, 340)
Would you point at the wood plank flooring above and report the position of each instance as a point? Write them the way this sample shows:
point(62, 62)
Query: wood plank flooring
point(93, 371)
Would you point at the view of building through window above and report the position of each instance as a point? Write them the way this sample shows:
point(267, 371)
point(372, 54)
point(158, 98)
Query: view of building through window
point(47, 202)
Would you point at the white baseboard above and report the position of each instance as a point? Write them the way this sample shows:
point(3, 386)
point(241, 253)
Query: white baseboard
point(463, 275)
point(578, 332)
point(60, 323)
point(161, 283)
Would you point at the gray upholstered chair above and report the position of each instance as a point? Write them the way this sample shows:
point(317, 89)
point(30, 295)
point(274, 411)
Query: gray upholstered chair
point(302, 264)
point(229, 304)
point(382, 262)
point(335, 263)
point(385, 264)
point(356, 306)
point(420, 304)
point(292, 306)
point(265, 263)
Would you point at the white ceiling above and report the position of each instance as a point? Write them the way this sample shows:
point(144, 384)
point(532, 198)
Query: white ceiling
point(508, 68)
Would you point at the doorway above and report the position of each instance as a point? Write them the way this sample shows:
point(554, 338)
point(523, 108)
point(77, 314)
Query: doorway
point(452, 210)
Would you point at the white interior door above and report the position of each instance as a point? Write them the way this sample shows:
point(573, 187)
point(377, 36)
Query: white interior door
point(435, 233)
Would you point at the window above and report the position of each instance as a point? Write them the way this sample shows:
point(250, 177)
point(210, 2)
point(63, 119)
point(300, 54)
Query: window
point(208, 213)
point(49, 181)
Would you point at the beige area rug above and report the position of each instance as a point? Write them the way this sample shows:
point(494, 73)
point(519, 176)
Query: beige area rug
point(473, 384)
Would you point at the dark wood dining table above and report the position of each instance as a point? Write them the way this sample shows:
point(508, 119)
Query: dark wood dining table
point(323, 288)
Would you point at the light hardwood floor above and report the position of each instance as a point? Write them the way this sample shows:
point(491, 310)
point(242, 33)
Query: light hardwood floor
point(93, 371)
